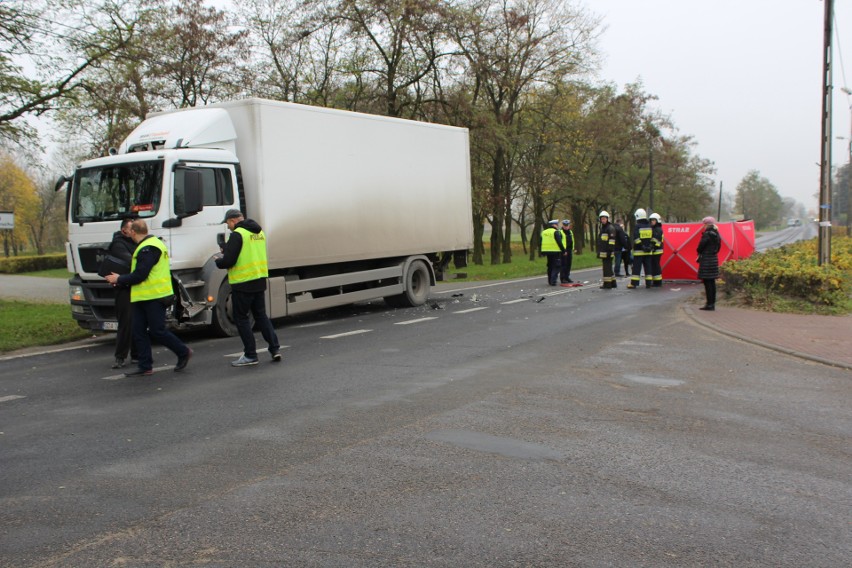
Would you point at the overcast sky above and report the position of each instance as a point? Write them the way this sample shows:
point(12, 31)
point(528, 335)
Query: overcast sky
point(743, 77)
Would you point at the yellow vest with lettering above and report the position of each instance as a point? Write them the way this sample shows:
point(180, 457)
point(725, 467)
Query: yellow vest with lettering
point(159, 281)
point(251, 263)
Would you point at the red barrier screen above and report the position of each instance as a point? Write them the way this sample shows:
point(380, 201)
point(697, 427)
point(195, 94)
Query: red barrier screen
point(680, 261)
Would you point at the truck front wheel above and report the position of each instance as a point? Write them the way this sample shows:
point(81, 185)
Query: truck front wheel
point(417, 281)
point(223, 313)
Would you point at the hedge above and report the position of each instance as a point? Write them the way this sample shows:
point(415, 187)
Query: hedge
point(792, 271)
point(17, 264)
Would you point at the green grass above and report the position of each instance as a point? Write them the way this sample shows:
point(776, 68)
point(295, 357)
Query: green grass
point(29, 324)
point(520, 267)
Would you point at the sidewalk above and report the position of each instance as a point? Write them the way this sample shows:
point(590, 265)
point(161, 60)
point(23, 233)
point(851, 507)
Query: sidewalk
point(824, 339)
point(34, 288)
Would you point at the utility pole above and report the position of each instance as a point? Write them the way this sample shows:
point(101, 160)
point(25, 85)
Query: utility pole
point(719, 210)
point(651, 174)
point(824, 241)
point(848, 92)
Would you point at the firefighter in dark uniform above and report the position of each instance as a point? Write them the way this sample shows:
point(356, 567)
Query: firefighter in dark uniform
point(657, 253)
point(607, 241)
point(568, 257)
point(643, 248)
point(553, 249)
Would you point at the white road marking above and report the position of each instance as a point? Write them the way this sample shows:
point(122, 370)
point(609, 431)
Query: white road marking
point(259, 350)
point(11, 397)
point(518, 301)
point(123, 376)
point(413, 321)
point(474, 287)
point(348, 333)
point(470, 310)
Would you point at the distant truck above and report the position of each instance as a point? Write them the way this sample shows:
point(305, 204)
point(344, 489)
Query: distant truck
point(794, 222)
point(354, 206)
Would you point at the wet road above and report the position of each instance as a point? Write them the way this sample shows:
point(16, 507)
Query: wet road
point(502, 425)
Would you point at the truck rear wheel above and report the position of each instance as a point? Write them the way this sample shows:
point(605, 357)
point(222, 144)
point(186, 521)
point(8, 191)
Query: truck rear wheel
point(224, 324)
point(417, 282)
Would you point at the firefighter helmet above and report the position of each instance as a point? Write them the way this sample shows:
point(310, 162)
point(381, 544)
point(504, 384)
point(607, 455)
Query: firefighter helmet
point(656, 217)
point(640, 214)
point(603, 214)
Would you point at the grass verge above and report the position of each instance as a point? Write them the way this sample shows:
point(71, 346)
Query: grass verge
point(29, 324)
point(520, 267)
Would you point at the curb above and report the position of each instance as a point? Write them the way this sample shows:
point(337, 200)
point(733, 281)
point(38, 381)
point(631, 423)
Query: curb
point(700, 321)
point(48, 349)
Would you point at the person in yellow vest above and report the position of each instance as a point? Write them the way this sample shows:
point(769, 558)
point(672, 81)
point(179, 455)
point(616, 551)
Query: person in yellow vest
point(553, 249)
point(150, 282)
point(244, 256)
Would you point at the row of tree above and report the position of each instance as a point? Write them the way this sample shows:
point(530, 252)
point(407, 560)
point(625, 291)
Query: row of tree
point(546, 139)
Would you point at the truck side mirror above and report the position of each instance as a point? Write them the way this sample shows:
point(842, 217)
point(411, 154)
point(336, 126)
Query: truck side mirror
point(61, 183)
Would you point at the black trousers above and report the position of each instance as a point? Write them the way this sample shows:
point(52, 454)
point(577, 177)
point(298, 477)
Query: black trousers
point(554, 267)
point(567, 260)
point(149, 322)
point(710, 291)
point(124, 343)
point(254, 303)
point(641, 262)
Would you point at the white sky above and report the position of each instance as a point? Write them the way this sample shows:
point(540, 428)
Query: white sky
point(743, 77)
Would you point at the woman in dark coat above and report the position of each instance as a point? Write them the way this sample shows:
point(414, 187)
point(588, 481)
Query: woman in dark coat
point(708, 260)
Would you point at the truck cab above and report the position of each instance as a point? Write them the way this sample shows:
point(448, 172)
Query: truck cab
point(181, 191)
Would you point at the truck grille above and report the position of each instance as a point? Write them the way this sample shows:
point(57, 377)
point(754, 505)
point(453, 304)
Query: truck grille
point(91, 256)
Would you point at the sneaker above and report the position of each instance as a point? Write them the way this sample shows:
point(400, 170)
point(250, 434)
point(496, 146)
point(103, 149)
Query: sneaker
point(243, 361)
point(182, 361)
point(139, 373)
point(276, 356)
point(118, 364)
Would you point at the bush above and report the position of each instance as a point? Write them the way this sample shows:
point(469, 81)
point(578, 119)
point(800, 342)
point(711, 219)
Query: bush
point(790, 274)
point(18, 264)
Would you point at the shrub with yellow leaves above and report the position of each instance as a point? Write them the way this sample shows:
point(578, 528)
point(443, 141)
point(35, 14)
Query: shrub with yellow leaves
point(791, 273)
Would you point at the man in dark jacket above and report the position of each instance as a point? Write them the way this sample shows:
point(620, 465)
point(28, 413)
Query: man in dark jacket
point(122, 248)
point(244, 256)
point(568, 255)
point(621, 249)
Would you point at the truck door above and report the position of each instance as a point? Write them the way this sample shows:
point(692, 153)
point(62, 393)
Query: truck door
point(193, 240)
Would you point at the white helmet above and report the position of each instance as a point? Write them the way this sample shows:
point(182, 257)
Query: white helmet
point(640, 214)
point(603, 214)
point(656, 216)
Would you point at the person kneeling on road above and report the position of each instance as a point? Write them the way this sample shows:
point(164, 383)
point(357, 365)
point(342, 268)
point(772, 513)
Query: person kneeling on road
point(244, 256)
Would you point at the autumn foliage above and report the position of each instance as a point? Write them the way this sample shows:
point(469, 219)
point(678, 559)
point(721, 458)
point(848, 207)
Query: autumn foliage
point(791, 275)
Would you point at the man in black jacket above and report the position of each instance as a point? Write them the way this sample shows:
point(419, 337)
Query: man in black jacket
point(568, 255)
point(244, 256)
point(122, 248)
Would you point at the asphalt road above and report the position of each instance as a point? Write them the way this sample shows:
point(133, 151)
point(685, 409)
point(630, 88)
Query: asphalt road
point(511, 425)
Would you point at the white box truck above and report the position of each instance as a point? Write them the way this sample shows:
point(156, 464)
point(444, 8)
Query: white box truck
point(354, 206)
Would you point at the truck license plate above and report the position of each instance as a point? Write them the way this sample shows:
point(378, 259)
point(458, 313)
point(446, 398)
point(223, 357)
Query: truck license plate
point(110, 326)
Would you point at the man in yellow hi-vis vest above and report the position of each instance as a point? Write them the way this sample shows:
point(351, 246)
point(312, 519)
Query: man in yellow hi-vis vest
point(245, 258)
point(150, 282)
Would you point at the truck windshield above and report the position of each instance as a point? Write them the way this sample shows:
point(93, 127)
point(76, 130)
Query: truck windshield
point(113, 192)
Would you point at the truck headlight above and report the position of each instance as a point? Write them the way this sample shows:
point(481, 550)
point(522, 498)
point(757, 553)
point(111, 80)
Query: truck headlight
point(76, 293)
